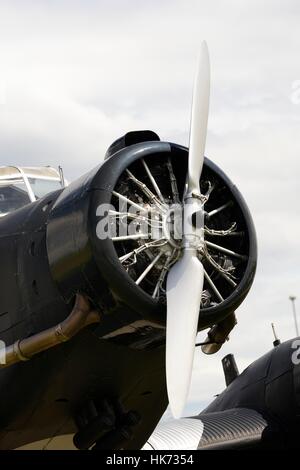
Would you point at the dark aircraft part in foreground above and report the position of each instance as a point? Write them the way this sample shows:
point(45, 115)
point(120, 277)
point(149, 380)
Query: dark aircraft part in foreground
point(260, 409)
point(50, 252)
point(269, 387)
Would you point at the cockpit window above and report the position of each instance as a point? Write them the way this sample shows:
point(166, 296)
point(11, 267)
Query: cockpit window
point(41, 187)
point(13, 195)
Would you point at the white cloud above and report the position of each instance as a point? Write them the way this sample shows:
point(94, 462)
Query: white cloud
point(79, 74)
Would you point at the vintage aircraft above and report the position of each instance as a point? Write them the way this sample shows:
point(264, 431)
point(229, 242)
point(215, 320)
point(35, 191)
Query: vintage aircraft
point(106, 282)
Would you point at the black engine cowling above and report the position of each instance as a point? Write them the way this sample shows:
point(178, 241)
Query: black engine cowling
point(79, 260)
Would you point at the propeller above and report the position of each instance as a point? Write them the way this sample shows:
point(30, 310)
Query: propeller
point(185, 278)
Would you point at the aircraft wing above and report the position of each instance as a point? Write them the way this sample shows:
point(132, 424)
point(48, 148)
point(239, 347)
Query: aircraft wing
point(236, 428)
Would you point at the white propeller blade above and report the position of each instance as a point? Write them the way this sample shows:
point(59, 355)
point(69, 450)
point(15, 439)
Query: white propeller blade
point(185, 279)
point(199, 117)
point(184, 288)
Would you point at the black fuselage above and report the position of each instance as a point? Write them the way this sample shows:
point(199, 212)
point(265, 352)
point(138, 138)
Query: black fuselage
point(271, 387)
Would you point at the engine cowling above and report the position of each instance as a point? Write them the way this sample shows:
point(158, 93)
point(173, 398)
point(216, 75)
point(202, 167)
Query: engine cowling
point(119, 272)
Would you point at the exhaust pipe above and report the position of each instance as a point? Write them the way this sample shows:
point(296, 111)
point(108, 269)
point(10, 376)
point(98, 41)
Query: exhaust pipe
point(81, 316)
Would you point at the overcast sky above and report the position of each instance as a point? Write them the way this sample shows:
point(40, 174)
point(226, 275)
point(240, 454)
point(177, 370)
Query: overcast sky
point(75, 75)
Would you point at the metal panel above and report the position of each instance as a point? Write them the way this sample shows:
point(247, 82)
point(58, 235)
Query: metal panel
point(179, 434)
